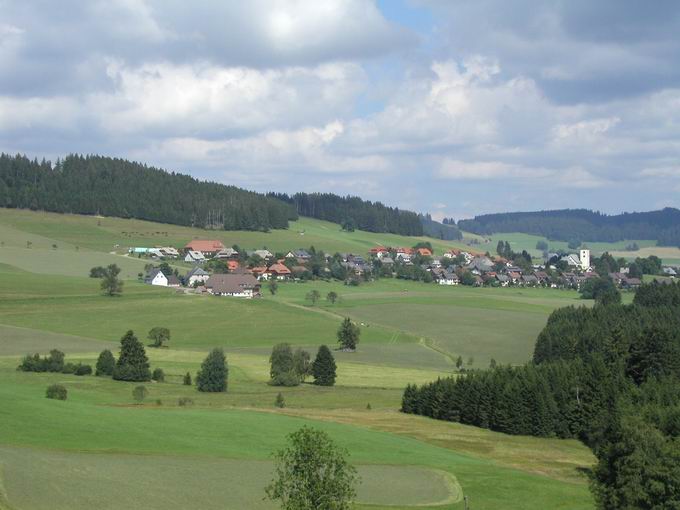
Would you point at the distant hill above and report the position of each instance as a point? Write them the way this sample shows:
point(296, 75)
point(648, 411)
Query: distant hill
point(353, 212)
point(443, 231)
point(583, 225)
point(116, 187)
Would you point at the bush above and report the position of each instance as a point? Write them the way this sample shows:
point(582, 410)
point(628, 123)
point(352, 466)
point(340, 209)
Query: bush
point(139, 393)
point(185, 401)
point(56, 391)
point(187, 379)
point(82, 369)
point(158, 375)
point(286, 379)
point(69, 368)
point(105, 363)
point(280, 401)
point(34, 363)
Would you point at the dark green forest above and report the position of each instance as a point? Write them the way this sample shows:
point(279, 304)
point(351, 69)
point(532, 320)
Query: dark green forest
point(607, 375)
point(354, 213)
point(116, 187)
point(583, 225)
point(443, 231)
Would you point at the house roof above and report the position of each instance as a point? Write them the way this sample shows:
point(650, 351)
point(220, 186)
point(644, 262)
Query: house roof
point(197, 271)
point(232, 283)
point(153, 273)
point(204, 245)
point(172, 280)
point(425, 252)
point(195, 255)
point(278, 268)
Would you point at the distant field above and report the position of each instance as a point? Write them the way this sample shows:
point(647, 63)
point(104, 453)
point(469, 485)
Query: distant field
point(116, 234)
point(519, 242)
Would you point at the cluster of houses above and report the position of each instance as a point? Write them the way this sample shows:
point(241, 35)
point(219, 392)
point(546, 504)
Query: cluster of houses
point(241, 274)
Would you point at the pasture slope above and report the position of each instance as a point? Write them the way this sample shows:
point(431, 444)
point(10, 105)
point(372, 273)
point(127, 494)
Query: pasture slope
point(216, 452)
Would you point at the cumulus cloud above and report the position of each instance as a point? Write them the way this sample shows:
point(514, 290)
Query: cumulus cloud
point(493, 107)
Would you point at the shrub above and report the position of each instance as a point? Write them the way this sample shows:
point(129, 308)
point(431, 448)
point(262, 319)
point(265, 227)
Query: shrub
point(158, 375)
point(83, 369)
point(56, 391)
point(106, 363)
point(185, 401)
point(139, 393)
point(286, 379)
point(69, 368)
point(34, 363)
point(280, 402)
point(187, 379)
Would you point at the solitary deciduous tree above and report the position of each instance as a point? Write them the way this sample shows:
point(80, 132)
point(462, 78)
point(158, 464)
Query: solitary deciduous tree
point(302, 364)
point(139, 393)
point(273, 287)
point(111, 284)
point(212, 377)
point(282, 366)
point(312, 473)
point(348, 335)
point(323, 368)
point(332, 297)
point(187, 379)
point(159, 336)
point(313, 296)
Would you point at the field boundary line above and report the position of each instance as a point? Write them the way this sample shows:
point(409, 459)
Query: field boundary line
point(431, 344)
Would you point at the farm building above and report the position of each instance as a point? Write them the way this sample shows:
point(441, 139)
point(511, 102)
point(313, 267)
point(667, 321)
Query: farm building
point(234, 285)
point(197, 274)
point(208, 247)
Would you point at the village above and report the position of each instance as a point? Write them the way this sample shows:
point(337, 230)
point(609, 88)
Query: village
point(234, 272)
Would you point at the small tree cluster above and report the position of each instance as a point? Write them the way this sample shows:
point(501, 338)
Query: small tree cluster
point(288, 367)
point(54, 362)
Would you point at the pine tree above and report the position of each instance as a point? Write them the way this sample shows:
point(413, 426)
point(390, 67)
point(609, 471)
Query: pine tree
point(214, 372)
point(187, 379)
point(106, 363)
point(348, 335)
point(323, 368)
point(132, 364)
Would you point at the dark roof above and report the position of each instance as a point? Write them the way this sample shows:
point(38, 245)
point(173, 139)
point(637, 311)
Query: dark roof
point(231, 283)
point(172, 280)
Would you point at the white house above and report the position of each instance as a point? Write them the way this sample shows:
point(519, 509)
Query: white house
point(197, 274)
point(156, 277)
point(264, 254)
point(404, 257)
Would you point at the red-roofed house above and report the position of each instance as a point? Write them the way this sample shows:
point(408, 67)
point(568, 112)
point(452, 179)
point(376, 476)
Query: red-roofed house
point(424, 252)
point(278, 271)
point(208, 247)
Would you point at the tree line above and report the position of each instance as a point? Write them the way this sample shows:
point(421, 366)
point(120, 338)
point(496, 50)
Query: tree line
point(607, 375)
point(354, 213)
point(116, 187)
point(577, 225)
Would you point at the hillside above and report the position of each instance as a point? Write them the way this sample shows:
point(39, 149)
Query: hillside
point(583, 225)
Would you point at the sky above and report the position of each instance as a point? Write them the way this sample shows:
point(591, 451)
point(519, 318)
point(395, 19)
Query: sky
point(452, 107)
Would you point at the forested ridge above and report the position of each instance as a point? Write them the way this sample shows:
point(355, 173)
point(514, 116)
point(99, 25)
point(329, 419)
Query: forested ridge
point(607, 375)
point(583, 225)
point(116, 187)
point(353, 212)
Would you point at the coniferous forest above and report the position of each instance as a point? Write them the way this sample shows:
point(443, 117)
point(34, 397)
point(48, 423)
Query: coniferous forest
point(608, 375)
point(116, 187)
point(353, 212)
point(583, 225)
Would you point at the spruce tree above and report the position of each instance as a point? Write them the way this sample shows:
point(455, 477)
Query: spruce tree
point(348, 335)
point(212, 377)
point(132, 364)
point(323, 368)
point(106, 363)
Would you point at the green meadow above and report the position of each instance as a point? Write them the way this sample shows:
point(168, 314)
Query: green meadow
point(216, 451)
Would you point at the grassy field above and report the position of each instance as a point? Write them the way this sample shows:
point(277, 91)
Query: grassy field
point(216, 452)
